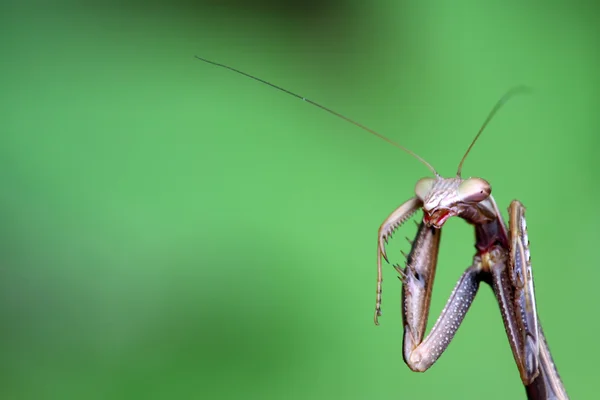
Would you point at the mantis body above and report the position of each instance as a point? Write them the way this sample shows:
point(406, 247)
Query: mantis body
point(501, 260)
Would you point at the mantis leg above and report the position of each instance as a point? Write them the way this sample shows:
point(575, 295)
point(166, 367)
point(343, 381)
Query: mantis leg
point(524, 295)
point(421, 354)
point(512, 282)
point(514, 290)
point(548, 384)
point(391, 223)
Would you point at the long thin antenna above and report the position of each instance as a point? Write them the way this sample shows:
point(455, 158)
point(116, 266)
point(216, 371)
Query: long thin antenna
point(499, 104)
point(379, 135)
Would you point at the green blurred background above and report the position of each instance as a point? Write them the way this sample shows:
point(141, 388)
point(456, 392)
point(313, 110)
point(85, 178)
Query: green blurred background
point(170, 230)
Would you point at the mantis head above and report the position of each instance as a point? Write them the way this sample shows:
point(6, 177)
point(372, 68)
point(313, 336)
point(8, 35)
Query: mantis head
point(448, 197)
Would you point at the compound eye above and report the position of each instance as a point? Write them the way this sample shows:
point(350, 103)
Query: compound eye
point(423, 187)
point(474, 190)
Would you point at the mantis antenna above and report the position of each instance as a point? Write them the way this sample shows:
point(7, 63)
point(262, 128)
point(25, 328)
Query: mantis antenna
point(498, 106)
point(379, 135)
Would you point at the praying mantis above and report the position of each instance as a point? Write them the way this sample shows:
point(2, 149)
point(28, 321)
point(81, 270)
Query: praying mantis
point(501, 260)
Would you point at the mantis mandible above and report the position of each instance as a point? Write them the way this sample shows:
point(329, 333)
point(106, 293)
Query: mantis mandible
point(501, 260)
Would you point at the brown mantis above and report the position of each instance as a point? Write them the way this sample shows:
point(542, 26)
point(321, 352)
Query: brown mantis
point(501, 260)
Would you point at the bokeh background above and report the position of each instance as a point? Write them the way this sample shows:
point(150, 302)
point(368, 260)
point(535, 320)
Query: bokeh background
point(171, 230)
